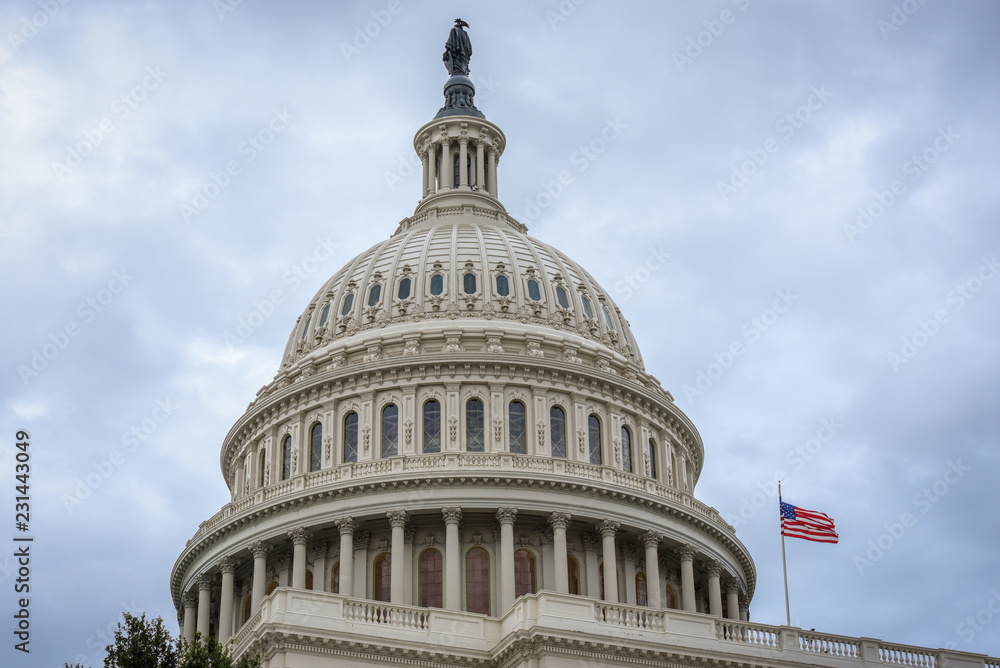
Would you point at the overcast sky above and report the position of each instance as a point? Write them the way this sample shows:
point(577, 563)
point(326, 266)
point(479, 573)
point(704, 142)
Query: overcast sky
point(821, 177)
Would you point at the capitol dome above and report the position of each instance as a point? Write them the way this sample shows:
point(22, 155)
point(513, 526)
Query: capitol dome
point(461, 433)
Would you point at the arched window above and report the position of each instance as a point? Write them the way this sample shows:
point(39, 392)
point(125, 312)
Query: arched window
point(316, 447)
point(325, 315)
point(374, 294)
point(437, 284)
point(474, 422)
point(351, 437)
point(305, 330)
point(477, 581)
point(594, 439)
point(457, 173)
point(524, 573)
point(469, 282)
point(587, 308)
point(430, 583)
point(626, 449)
point(309, 579)
point(261, 468)
point(348, 304)
point(557, 426)
point(641, 597)
point(382, 578)
point(573, 571)
point(607, 318)
point(404, 289)
point(503, 287)
point(518, 428)
point(671, 600)
point(335, 578)
point(652, 459)
point(533, 291)
point(561, 297)
point(286, 458)
point(432, 426)
point(246, 609)
point(390, 431)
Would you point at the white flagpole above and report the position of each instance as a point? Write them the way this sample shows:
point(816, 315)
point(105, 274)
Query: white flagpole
point(784, 566)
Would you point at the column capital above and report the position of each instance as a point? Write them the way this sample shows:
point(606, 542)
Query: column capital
point(299, 536)
point(205, 581)
point(559, 520)
point(714, 568)
point(259, 549)
point(190, 599)
point(361, 539)
point(408, 534)
point(591, 542)
point(733, 586)
point(650, 538)
point(397, 518)
point(506, 515)
point(346, 525)
point(686, 552)
point(545, 535)
point(227, 565)
point(608, 528)
point(452, 514)
point(319, 548)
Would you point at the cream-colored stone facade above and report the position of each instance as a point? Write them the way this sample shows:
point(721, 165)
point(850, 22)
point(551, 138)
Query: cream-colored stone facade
point(463, 461)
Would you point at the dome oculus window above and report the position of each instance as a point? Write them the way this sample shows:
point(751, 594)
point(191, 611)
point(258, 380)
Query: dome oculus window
point(374, 294)
point(348, 304)
point(561, 297)
point(404, 289)
point(325, 315)
point(469, 280)
point(305, 330)
point(587, 309)
point(533, 291)
point(503, 286)
point(437, 284)
point(607, 318)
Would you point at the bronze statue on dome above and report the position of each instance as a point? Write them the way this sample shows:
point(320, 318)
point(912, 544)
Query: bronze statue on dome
point(458, 50)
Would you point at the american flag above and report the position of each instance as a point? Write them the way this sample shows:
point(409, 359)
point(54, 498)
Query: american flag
point(808, 524)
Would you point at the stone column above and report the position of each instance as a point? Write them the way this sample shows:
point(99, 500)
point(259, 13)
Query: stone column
point(319, 550)
point(452, 562)
point(259, 551)
point(463, 163)
point(432, 170)
point(628, 563)
point(361, 540)
point(204, 604)
point(559, 523)
point(607, 529)
point(506, 518)
point(733, 599)
point(744, 608)
point(397, 520)
point(423, 173)
point(686, 554)
point(347, 526)
point(491, 186)
point(228, 567)
point(714, 589)
point(284, 567)
point(409, 533)
point(190, 600)
point(480, 165)
point(651, 541)
point(447, 170)
point(300, 538)
point(591, 544)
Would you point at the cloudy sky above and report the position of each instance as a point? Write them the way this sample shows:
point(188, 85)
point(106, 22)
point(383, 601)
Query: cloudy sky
point(796, 210)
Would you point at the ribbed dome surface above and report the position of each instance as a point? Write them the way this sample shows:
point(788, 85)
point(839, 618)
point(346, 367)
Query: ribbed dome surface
point(458, 264)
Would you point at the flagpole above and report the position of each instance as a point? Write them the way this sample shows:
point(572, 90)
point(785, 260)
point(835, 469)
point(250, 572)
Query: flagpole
point(784, 566)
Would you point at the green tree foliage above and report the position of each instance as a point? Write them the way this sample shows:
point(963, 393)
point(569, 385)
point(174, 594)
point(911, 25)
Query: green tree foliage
point(208, 653)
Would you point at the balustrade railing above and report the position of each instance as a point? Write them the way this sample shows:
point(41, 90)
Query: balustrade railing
point(630, 617)
point(372, 612)
point(747, 633)
point(819, 643)
point(900, 655)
